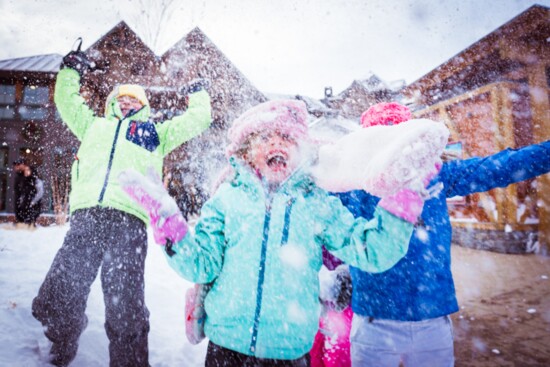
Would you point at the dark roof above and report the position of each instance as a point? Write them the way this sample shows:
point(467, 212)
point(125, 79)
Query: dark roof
point(41, 63)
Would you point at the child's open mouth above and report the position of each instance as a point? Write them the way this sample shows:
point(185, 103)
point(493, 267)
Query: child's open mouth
point(276, 159)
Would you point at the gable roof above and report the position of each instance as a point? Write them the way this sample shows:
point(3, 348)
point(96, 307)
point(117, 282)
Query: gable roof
point(196, 46)
point(114, 41)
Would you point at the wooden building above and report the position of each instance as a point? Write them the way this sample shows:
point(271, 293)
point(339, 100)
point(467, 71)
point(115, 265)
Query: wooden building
point(494, 95)
point(29, 126)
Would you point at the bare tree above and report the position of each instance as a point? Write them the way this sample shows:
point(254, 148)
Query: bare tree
point(60, 198)
point(150, 19)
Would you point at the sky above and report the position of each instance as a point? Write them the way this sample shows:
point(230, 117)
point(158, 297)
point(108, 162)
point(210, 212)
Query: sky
point(282, 47)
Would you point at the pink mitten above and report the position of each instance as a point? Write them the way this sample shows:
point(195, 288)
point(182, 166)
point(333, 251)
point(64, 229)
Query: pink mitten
point(194, 312)
point(166, 220)
point(405, 204)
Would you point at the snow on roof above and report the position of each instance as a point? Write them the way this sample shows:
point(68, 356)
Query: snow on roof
point(40, 63)
point(373, 83)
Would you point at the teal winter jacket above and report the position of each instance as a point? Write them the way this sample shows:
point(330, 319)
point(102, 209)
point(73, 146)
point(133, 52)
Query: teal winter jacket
point(264, 254)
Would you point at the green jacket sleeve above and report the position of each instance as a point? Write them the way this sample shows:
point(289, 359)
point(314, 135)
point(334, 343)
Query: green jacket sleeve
point(71, 106)
point(199, 256)
point(182, 128)
point(372, 246)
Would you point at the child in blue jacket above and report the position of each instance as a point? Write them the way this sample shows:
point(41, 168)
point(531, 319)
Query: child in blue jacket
point(259, 239)
point(401, 315)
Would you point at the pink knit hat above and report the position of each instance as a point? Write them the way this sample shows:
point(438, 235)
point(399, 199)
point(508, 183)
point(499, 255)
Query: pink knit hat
point(385, 113)
point(288, 116)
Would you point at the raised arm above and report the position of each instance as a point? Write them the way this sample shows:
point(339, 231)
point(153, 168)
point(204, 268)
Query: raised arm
point(71, 106)
point(195, 120)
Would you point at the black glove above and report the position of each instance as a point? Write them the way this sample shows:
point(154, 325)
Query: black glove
point(77, 60)
point(344, 286)
point(195, 86)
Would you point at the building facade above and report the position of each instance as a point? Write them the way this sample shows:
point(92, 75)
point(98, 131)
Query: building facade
point(492, 96)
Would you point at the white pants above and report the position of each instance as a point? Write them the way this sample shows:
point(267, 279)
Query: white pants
point(384, 343)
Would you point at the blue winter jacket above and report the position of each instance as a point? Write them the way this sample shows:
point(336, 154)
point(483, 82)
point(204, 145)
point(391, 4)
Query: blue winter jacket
point(264, 254)
point(420, 286)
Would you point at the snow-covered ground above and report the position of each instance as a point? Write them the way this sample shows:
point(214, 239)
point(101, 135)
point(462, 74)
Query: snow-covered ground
point(25, 257)
point(495, 291)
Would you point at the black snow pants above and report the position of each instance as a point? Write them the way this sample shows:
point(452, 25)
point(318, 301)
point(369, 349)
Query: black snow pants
point(218, 356)
point(116, 242)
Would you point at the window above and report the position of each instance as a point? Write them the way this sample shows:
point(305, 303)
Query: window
point(36, 96)
point(34, 105)
point(7, 101)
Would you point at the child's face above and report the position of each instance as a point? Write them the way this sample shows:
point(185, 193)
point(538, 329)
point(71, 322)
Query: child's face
point(127, 103)
point(274, 156)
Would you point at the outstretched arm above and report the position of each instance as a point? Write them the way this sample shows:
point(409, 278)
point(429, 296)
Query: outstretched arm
point(373, 246)
point(463, 177)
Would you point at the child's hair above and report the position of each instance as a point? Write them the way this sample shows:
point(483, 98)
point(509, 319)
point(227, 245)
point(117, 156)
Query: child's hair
point(245, 146)
point(287, 116)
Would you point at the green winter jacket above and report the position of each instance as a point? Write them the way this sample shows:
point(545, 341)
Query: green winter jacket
point(111, 144)
point(265, 254)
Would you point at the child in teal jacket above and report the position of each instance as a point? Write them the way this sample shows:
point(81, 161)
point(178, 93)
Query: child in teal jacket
point(259, 239)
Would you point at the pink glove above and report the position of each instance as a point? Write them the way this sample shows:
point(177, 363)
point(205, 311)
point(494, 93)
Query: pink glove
point(408, 203)
point(165, 218)
point(405, 204)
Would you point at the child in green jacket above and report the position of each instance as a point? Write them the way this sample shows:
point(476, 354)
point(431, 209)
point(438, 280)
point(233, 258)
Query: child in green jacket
point(107, 229)
point(259, 240)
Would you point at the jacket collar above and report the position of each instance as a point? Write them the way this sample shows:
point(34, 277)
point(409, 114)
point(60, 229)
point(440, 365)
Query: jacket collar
point(246, 177)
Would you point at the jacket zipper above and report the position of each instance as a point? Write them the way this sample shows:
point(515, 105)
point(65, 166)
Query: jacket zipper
point(286, 226)
point(261, 275)
point(77, 161)
point(112, 155)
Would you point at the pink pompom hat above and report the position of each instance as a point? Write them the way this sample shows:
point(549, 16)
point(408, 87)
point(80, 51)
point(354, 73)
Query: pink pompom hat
point(385, 113)
point(286, 116)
